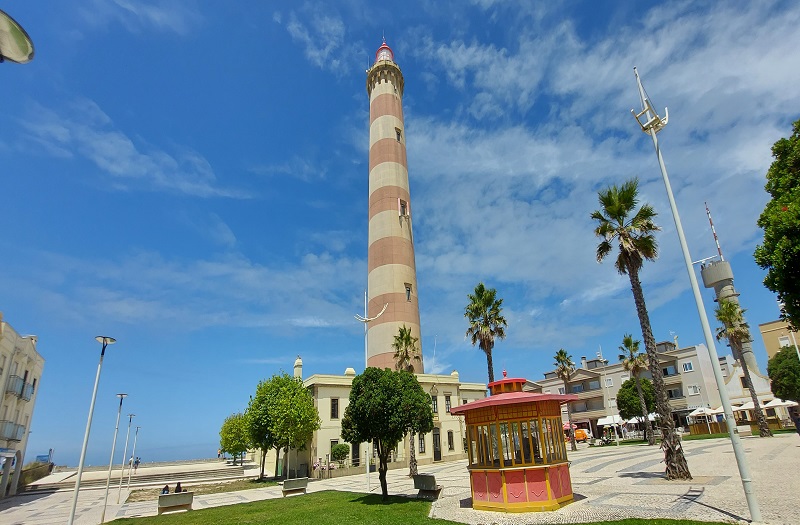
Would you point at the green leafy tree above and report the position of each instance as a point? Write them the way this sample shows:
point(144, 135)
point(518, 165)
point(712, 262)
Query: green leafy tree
point(632, 231)
point(780, 220)
point(233, 436)
point(294, 418)
point(565, 367)
point(634, 362)
point(406, 353)
point(339, 453)
point(631, 404)
point(486, 321)
point(383, 405)
point(784, 374)
point(737, 332)
point(259, 422)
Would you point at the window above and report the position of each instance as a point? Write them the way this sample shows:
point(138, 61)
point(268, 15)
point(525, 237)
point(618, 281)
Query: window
point(463, 401)
point(612, 402)
point(422, 443)
point(674, 393)
point(451, 445)
point(783, 341)
point(398, 133)
point(435, 403)
point(334, 408)
point(693, 390)
point(576, 389)
point(744, 383)
point(609, 382)
point(334, 442)
point(447, 406)
point(408, 292)
point(669, 371)
point(561, 390)
point(403, 208)
point(594, 384)
point(687, 366)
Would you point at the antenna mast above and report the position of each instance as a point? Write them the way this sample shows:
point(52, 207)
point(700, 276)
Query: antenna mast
point(716, 240)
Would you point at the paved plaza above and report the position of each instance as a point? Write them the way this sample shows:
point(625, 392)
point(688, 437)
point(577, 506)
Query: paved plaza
point(609, 483)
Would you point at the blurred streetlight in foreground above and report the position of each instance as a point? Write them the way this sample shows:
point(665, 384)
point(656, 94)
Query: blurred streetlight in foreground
point(111, 462)
point(125, 455)
point(105, 342)
point(15, 44)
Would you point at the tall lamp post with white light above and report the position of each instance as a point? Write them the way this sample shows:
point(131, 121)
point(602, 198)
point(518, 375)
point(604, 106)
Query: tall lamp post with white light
point(111, 462)
point(105, 342)
point(133, 455)
point(125, 455)
point(366, 320)
point(651, 125)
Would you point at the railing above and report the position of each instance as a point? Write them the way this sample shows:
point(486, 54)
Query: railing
point(11, 431)
point(17, 386)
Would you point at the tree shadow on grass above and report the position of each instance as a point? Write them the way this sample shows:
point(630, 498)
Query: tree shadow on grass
point(377, 499)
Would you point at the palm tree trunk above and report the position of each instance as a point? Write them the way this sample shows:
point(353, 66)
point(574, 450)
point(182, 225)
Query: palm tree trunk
point(490, 364)
point(573, 446)
point(763, 426)
point(648, 430)
point(412, 457)
point(674, 459)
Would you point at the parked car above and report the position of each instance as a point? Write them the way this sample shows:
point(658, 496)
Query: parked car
point(581, 436)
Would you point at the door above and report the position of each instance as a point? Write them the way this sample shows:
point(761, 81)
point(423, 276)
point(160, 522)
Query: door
point(437, 445)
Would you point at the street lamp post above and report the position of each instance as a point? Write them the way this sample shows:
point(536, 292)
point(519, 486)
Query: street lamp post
point(133, 455)
point(111, 462)
point(652, 124)
point(125, 455)
point(364, 319)
point(105, 341)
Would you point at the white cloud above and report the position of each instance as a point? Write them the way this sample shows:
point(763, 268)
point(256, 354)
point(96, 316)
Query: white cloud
point(161, 15)
point(322, 35)
point(85, 131)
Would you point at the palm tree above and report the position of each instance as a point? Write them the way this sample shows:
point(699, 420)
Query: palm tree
point(406, 352)
point(633, 231)
point(634, 362)
point(565, 367)
point(485, 321)
point(737, 331)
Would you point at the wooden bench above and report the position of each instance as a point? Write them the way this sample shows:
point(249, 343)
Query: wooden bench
point(426, 483)
point(294, 485)
point(175, 501)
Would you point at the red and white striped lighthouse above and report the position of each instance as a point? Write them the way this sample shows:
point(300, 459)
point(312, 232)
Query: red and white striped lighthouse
point(392, 276)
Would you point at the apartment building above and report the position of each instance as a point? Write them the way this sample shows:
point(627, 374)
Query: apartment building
point(688, 377)
point(776, 335)
point(20, 372)
point(331, 395)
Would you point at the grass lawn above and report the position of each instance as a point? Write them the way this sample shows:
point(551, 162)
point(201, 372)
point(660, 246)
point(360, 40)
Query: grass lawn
point(207, 488)
point(330, 508)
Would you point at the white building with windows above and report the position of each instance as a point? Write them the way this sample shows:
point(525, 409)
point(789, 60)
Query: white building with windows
point(688, 376)
point(331, 395)
point(20, 372)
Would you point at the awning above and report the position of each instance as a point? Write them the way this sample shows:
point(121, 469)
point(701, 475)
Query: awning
point(702, 411)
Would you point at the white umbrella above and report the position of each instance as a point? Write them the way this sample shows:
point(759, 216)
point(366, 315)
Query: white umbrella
point(702, 411)
point(749, 406)
point(776, 403)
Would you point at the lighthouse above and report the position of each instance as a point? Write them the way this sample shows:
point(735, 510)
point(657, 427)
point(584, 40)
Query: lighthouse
point(392, 274)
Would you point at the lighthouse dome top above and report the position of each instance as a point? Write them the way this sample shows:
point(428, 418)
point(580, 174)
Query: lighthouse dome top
point(384, 53)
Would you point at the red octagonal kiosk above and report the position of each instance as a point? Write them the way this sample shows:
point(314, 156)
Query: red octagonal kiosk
point(517, 456)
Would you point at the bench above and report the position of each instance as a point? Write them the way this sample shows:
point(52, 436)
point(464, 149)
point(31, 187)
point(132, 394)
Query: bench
point(175, 501)
point(426, 483)
point(294, 485)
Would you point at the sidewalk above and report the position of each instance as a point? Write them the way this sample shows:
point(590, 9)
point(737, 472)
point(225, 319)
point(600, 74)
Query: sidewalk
point(609, 483)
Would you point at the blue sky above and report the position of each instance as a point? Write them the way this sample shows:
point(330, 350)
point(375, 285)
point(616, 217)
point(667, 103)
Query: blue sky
point(191, 179)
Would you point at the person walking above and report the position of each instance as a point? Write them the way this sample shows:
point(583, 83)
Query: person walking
point(136, 464)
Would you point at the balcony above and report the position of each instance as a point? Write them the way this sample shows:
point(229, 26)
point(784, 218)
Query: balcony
point(589, 394)
point(17, 386)
point(11, 431)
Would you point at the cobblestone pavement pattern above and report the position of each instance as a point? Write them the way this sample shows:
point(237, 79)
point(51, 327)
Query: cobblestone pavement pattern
point(609, 482)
